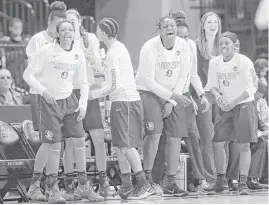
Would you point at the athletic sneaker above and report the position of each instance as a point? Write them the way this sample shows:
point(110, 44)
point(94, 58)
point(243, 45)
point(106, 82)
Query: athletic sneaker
point(86, 191)
point(232, 186)
point(173, 190)
point(155, 189)
point(243, 189)
point(254, 184)
point(124, 193)
point(106, 192)
point(204, 187)
point(55, 197)
point(221, 184)
point(140, 193)
point(34, 193)
point(191, 188)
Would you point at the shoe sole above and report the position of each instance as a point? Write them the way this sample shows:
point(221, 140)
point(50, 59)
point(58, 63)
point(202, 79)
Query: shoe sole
point(95, 200)
point(59, 202)
point(176, 195)
point(244, 192)
point(143, 196)
point(113, 197)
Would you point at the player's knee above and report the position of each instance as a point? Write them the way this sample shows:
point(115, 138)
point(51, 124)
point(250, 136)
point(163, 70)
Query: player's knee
point(98, 137)
point(218, 145)
point(244, 147)
point(123, 150)
point(78, 142)
point(55, 146)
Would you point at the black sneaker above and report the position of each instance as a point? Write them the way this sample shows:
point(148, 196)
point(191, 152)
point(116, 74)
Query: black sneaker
point(173, 190)
point(253, 184)
point(232, 185)
point(243, 189)
point(221, 185)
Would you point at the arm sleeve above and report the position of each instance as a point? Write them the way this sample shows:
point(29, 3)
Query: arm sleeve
point(212, 80)
point(34, 67)
point(83, 82)
point(147, 72)
point(94, 47)
point(261, 16)
point(195, 79)
point(112, 76)
point(185, 65)
point(251, 78)
point(32, 48)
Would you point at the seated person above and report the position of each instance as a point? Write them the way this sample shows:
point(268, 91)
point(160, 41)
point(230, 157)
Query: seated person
point(15, 32)
point(8, 96)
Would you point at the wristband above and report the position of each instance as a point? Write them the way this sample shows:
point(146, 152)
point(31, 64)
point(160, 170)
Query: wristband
point(202, 95)
point(173, 102)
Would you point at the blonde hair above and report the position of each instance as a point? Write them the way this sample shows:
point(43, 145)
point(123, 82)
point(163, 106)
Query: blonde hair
point(82, 31)
point(202, 38)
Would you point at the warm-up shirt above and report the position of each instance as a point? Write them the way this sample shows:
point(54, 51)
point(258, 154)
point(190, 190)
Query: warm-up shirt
point(163, 71)
point(94, 62)
point(33, 47)
point(119, 75)
point(58, 68)
point(194, 78)
point(232, 78)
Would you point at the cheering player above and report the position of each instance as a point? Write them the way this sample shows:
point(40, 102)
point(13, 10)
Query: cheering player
point(233, 82)
point(164, 67)
point(60, 111)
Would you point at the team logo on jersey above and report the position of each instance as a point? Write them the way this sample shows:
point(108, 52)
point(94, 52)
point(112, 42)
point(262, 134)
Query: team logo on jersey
point(235, 68)
point(64, 75)
point(48, 134)
point(150, 126)
point(169, 73)
point(178, 52)
point(76, 56)
point(226, 83)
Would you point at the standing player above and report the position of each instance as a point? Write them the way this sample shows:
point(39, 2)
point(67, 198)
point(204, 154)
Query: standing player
point(192, 141)
point(92, 122)
point(126, 109)
point(60, 112)
point(57, 13)
point(233, 84)
point(164, 67)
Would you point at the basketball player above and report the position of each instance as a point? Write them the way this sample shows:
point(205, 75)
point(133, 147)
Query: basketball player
point(192, 141)
point(59, 64)
point(57, 13)
point(233, 82)
point(126, 109)
point(164, 68)
point(92, 122)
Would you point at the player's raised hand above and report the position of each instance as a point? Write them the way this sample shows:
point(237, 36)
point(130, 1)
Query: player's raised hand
point(181, 99)
point(81, 113)
point(48, 97)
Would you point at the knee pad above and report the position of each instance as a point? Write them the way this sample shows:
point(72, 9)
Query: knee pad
point(55, 146)
point(78, 142)
point(244, 147)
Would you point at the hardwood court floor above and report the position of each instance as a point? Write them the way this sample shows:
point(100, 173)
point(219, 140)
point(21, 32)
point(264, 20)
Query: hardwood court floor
point(254, 198)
